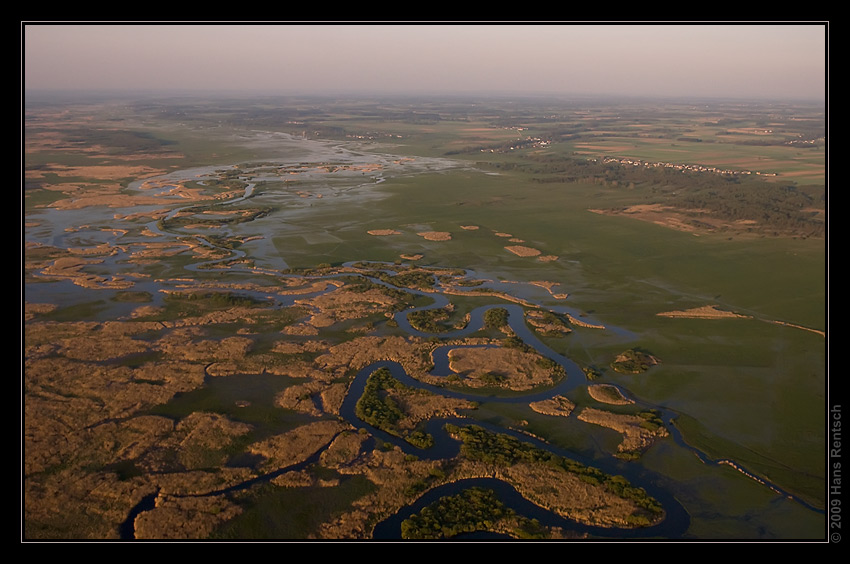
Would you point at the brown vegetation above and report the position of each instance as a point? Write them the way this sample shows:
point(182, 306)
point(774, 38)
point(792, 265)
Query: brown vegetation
point(436, 235)
point(558, 405)
point(297, 445)
point(411, 352)
point(566, 494)
point(544, 325)
point(703, 312)
point(343, 304)
point(509, 368)
point(523, 251)
point(636, 437)
point(606, 393)
point(418, 406)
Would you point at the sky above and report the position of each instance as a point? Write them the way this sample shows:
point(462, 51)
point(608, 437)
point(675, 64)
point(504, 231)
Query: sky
point(776, 61)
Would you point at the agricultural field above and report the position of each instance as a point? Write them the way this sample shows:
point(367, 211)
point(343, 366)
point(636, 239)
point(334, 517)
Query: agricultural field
point(321, 318)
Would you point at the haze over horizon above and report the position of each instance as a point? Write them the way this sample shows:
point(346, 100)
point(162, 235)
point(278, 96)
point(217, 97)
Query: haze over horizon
point(778, 61)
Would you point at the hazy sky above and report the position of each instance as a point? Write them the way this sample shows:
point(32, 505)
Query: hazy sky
point(735, 60)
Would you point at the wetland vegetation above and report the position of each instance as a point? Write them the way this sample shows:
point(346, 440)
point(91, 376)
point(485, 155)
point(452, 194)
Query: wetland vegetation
point(209, 285)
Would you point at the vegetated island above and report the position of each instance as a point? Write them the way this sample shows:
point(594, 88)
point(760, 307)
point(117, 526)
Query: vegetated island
point(474, 509)
point(606, 393)
point(547, 323)
point(565, 486)
point(639, 431)
point(633, 361)
point(704, 312)
point(510, 368)
point(436, 235)
point(523, 251)
point(560, 406)
point(383, 232)
point(713, 312)
point(389, 405)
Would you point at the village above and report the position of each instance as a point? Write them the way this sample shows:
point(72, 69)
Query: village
point(681, 167)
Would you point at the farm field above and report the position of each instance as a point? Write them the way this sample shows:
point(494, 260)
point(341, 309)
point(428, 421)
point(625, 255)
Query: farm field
point(312, 318)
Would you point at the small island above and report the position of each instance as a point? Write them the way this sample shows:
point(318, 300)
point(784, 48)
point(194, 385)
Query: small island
point(633, 361)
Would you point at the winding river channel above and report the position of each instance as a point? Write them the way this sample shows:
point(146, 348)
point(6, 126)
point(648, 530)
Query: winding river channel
point(673, 526)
